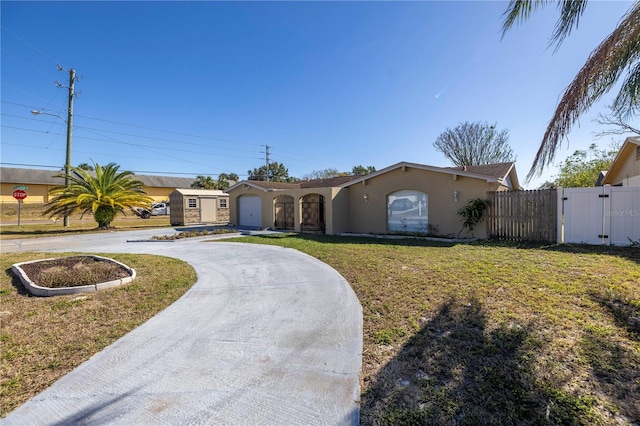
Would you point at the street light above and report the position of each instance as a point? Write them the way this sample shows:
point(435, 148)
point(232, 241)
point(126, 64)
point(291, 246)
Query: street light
point(67, 163)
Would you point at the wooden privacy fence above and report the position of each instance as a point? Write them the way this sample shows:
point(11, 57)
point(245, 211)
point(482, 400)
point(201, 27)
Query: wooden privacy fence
point(523, 215)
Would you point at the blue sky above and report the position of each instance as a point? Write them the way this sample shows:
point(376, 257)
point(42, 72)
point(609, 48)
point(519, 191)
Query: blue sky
point(190, 88)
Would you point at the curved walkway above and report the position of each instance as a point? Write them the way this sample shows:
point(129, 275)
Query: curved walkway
point(266, 336)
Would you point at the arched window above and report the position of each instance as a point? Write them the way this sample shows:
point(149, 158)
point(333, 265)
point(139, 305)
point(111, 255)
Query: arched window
point(407, 211)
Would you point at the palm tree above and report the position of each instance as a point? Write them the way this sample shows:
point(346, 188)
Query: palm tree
point(204, 182)
point(617, 54)
point(104, 193)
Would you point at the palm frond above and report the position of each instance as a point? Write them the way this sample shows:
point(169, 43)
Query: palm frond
point(88, 193)
point(627, 103)
point(618, 52)
point(519, 11)
point(570, 12)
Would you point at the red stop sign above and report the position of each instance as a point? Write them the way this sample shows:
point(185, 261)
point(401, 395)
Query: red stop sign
point(19, 194)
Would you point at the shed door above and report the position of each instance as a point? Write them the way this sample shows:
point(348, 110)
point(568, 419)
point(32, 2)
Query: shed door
point(250, 208)
point(208, 209)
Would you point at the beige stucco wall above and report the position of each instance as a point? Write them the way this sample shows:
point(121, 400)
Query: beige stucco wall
point(335, 204)
point(371, 216)
point(627, 171)
point(347, 211)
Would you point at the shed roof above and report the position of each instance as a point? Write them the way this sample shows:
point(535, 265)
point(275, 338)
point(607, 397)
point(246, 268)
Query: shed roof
point(200, 192)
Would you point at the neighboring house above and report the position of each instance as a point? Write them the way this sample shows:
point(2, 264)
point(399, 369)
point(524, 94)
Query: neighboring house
point(404, 197)
point(625, 169)
point(40, 182)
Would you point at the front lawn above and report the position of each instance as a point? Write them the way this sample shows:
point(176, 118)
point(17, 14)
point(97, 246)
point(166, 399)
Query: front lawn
point(43, 338)
point(485, 333)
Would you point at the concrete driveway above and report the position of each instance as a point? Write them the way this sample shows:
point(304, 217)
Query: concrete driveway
point(267, 336)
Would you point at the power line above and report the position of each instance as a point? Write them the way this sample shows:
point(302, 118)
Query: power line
point(29, 44)
point(135, 145)
point(16, 57)
point(303, 159)
point(145, 128)
point(94, 130)
point(166, 131)
point(111, 155)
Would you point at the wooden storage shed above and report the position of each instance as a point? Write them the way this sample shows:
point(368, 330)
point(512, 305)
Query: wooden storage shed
point(196, 206)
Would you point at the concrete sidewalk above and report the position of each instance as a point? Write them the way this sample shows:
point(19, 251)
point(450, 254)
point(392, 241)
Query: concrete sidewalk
point(267, 335)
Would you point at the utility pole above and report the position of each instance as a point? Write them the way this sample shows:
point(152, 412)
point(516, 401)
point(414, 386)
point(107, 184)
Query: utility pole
point(67, 163)
point(266, 155)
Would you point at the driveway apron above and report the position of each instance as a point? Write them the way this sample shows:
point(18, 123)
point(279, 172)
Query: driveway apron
point(266, 336)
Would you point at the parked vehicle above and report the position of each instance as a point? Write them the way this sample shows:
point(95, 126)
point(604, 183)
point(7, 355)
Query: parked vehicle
point(143, 213)
point(160, 209)
point(157, 209)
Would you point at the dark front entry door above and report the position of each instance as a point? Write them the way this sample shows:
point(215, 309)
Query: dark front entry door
point(313, 214)
point(283, 212)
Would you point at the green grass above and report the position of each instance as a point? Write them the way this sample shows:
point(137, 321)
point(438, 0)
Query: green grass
point(49, 229)
point(43, 338)
point(488, 333)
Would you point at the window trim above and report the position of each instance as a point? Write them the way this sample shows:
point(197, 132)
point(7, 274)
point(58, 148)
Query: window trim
point(195, 203)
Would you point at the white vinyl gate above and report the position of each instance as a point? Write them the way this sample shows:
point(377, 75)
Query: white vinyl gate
point(601, 215)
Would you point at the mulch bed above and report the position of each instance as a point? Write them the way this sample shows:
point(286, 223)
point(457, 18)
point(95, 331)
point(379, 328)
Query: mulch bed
point(73, 271)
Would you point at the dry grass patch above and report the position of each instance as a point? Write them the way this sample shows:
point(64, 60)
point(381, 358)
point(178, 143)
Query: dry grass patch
point(43, 338)
point(489, 333)
point(46, 228)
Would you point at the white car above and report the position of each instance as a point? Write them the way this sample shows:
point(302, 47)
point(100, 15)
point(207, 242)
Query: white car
point(160, 209)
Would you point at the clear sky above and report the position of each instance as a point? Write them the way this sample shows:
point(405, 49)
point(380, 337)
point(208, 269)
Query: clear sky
point(199, 88)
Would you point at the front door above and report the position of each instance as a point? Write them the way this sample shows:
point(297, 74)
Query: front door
point(208, 210)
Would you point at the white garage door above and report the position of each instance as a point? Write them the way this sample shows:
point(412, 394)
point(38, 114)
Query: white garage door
point(250, 207)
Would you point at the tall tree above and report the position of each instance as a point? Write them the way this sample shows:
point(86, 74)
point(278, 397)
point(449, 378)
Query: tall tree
point(85, 166)
point(207, 182)
point(204, 182)
point(104, 195)
point(583, 167)
point(361, 170)
point(323, 174)
point(471, 144)
point(615, 124)
point(616, 55)
point(223, 182)
point(277, 173)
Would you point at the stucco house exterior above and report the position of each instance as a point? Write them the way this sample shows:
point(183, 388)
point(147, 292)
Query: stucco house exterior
point(40, 182)
point(402, 198)
point(625, 169)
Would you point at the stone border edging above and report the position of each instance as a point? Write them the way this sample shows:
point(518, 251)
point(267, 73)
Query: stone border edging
point(37, 290)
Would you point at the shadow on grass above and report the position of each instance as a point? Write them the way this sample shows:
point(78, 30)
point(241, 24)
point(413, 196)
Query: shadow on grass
point(628, 253)
point(15, 281)
point(624, 313)
point(456, 372)
point(340, 239)
point(615, 367)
